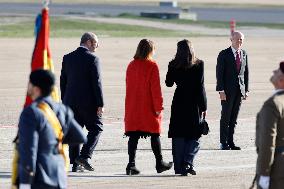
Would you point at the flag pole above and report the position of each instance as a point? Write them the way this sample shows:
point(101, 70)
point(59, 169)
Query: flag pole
point(45, 3)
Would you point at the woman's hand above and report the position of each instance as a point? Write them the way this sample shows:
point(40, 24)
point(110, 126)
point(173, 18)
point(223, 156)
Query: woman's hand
point(158, 113)
point(204, 114)
point(100, 111)
point(222, 95)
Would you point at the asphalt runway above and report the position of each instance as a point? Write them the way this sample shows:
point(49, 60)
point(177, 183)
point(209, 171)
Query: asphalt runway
point(216, 169)
point(258, 15)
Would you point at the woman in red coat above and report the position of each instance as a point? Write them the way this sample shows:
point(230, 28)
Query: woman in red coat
point(143, 105)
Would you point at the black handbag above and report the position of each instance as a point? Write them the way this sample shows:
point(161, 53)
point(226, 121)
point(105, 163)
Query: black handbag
point(203, 127)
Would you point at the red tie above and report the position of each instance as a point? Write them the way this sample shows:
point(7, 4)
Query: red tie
point(238, 60)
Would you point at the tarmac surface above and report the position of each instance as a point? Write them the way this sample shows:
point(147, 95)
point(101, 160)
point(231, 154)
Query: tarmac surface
point(249, 14)
point(216, 169)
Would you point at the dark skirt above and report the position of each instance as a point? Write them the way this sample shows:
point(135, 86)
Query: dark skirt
point(140, 134)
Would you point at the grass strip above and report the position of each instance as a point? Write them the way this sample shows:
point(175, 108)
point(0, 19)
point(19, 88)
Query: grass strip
point(211, 24)
point(61, 27)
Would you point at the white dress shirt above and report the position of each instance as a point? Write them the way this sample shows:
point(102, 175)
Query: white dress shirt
point(235, 53)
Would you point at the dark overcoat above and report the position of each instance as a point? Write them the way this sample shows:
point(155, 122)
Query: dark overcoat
point(81, 83)
point(189, 100)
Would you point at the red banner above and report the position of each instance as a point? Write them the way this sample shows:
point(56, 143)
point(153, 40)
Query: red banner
point(41, 58)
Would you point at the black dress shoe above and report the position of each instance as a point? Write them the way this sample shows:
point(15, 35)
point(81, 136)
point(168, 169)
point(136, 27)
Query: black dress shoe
point(163, 166)
point(84, 162)
point(132, 170)
point(74, 168)
point(234, 147)
point(224, 147)
point(192, 171)
point(188, 169)
point(77, 168)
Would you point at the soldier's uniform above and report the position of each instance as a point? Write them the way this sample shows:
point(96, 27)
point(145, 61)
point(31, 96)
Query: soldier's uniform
point(44, 126)
point(41, 164)
point(270, 140)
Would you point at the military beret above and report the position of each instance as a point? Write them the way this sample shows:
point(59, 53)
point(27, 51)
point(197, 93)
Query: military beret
point(44, 79)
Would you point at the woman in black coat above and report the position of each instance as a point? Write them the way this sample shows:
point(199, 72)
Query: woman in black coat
point(188, 106)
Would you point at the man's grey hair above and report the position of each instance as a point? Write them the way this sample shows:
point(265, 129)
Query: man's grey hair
point(88, 36)
point(237, 32)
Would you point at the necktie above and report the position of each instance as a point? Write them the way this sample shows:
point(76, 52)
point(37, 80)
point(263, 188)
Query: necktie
point(238, 60)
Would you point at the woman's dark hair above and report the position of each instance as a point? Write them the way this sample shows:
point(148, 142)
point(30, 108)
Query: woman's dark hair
point(185, 56)
point(144, 49)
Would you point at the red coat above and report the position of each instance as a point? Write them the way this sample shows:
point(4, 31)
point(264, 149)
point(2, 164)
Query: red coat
point(143, 97)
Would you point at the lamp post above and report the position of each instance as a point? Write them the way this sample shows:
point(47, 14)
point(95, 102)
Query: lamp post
point(232, 25)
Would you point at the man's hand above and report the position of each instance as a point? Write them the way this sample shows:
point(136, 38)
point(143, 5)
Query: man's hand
point(264, 182)
point(100, 111)
point(25, 186)
point(222, 95)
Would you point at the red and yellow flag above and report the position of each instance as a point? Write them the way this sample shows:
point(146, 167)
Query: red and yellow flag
point(41, 58)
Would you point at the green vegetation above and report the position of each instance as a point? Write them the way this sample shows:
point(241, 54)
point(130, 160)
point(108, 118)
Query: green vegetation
point(211, 24)
point(74, 27)
point(61, 27)
point(24, 29)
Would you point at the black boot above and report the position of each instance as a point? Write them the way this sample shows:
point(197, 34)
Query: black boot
point(162, 166)
point(132, 147)
point(131, 169)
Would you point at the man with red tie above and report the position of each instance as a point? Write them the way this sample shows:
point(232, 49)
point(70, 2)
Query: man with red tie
point(232, 84)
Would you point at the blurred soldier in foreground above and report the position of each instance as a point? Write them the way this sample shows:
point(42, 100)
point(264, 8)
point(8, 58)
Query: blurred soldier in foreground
point(270, 136)
point(43, 127)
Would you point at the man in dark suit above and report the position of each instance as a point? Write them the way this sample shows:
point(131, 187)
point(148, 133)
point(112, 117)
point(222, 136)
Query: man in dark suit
point(41, 164)
point(81, 89)
point(232, 84)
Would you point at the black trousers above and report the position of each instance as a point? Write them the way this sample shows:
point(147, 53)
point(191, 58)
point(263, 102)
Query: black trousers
point(43, 186)
point(94, 128)
point(184, 151)
point(155, 145)
point(229, 115)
